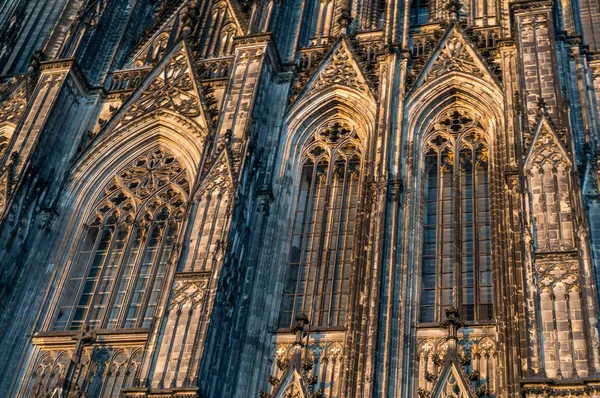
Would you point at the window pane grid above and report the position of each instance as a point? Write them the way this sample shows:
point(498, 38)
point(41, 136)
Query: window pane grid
point(318, 277)
point(456, 231)
point(119, 267)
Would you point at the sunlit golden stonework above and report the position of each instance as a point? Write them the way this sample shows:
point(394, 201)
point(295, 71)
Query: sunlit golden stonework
point(299, 198)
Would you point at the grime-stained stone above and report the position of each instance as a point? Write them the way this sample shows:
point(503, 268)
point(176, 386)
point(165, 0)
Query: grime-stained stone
point(299, 198)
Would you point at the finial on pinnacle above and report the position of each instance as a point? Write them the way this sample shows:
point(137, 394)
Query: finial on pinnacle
point(542, 106)
point(453, 7)
point(298, 328)
point(452, 323)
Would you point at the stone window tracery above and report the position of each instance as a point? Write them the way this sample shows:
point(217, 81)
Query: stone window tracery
point(318, 274)
point(456, 263)
point(126, 246)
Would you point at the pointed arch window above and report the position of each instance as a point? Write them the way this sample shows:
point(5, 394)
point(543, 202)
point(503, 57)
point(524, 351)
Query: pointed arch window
point(456, 262)
point(126, 246)
point(318, 273)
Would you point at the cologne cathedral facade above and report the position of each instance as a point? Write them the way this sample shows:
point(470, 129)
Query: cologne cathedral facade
point(299, 198)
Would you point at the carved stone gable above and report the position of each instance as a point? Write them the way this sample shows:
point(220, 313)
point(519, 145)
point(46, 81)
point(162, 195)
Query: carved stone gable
point(219, 173)
point(172, 88)
point(452, 384)
point(339, 68)
point(546, 144)
point(453, 57)
point(455, 54)
point(11, 109)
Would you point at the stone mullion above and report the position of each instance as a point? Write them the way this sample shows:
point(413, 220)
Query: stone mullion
point(120, 268)
point(354, 190)
point(456, 223)
point(475, 226)
point(324, 246)
point(306, 241)
point(353, 316)
point(341, 235)
point(144, 231)
point(156, 258)
point(438, 316)
point(317, 241)
point(92, 257)
point(144, 240)
point(81, 239)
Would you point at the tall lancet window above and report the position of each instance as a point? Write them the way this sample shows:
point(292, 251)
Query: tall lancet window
point(456, 265)
point(126, 246)
point(318, 274)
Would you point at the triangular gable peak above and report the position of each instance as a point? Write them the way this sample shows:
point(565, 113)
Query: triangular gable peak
point(219, 174)
point(455, 54)
point(339, 68)
point(171, 86)
point(452, 383)
point(155, 45)
point(292, 383)
point(297, 378)
point(546, 144)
